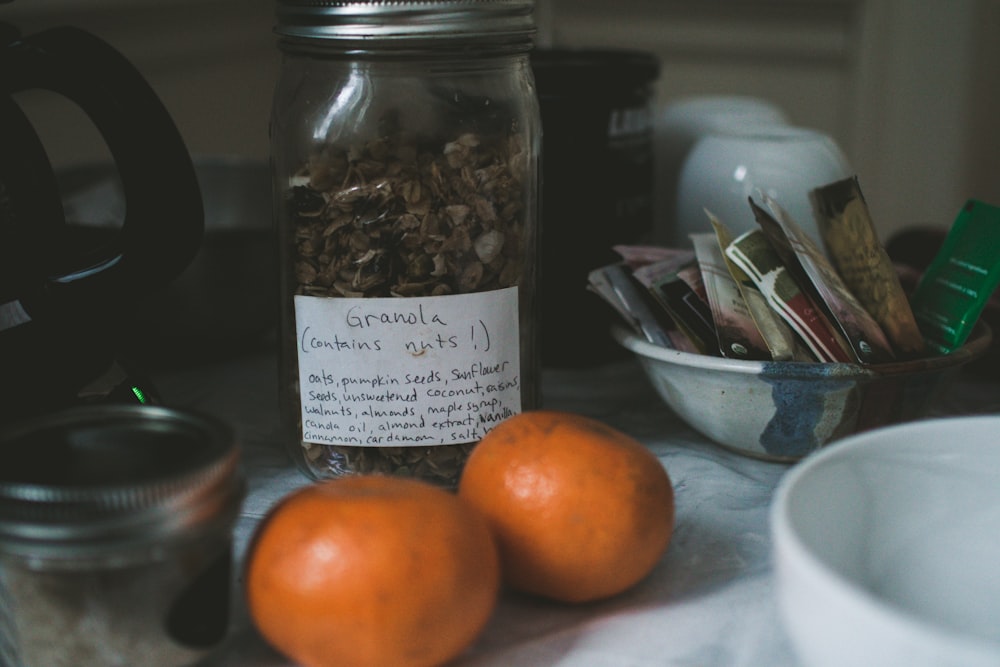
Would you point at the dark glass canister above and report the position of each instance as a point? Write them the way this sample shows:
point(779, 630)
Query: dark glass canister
point(598, 188)
point(405, 143)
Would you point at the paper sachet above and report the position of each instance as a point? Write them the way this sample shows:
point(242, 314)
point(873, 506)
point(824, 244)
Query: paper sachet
point(781, 341)
point(737, 333)
point(817, 277)
point(650, 273)
point(681, 294)
point(752, 252)
point(635, 256)
point(954, 289)
point(852, 244)
point(615, 286)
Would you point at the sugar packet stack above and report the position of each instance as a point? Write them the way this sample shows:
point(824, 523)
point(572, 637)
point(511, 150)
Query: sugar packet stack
point(774, 294)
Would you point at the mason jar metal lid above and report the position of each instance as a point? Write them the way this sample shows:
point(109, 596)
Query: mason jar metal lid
point(90, 479)
point(391, 21)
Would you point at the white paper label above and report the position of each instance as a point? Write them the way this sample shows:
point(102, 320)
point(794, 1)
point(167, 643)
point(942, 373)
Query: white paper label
point(394, 372)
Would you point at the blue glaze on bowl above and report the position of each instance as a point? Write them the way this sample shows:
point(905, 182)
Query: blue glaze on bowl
point(800, 408)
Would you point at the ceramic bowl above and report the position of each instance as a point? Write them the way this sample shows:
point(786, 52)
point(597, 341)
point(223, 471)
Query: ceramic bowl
point(786, 410)
point(886, 549)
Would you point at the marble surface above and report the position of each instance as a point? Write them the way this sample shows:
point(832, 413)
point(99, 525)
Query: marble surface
point(709, 602)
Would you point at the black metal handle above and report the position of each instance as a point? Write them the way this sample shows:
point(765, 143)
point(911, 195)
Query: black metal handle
point(31, 213)
point(164, 218)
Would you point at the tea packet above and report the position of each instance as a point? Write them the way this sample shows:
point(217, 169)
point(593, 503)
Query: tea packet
point(614, 284)
point(853, 247)
point(689, 311)
point(635, 256)
point(737, 333)
point(681, 294)
point(647, 262)
point(954, 289)
point(817, 276)
point(781, 341)
point(753, 253)
point(670, 263)
point(690, 273)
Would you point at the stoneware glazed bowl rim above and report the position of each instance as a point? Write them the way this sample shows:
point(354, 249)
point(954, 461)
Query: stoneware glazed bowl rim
point(784, 410)
point(841, 607)
point(977, 345)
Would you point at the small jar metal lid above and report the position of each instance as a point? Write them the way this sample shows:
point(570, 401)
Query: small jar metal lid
point(404, 21)
point(90, 479)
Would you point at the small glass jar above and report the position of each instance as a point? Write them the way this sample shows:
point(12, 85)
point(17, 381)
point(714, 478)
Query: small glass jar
point(116, 537)
point(405, 142)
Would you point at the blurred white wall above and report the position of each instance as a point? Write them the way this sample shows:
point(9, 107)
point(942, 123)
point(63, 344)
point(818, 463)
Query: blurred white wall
point(909, 88)
point(212, 62)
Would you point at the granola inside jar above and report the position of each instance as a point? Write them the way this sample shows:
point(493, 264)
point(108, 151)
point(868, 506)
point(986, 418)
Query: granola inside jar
point(405, 142)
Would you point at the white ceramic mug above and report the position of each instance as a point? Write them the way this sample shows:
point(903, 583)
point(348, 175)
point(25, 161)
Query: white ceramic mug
point(727, 167)
point(678, 127)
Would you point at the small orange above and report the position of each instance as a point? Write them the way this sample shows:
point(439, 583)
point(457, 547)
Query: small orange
point(580, 510)
point(371, 570)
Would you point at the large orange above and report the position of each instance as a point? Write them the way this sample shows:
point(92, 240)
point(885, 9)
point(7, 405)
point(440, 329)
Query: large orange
point(580, 510)
point(371, 570)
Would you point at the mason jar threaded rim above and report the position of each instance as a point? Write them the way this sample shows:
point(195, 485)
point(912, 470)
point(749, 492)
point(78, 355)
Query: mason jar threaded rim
point(402, 23)
point(129, 476)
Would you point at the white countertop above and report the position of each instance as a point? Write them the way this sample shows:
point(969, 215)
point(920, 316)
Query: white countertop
point(710, 602)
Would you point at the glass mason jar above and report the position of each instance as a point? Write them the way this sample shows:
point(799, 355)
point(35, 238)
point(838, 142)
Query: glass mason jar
point(405, 140)
point(116, 536)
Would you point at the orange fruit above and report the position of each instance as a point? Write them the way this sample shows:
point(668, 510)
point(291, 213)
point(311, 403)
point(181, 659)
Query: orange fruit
point(580, 511)
point(371, 570)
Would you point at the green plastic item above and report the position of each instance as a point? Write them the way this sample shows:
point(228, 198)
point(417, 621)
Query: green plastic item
point(966, 270)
